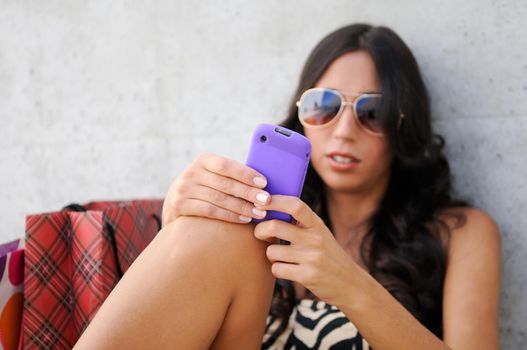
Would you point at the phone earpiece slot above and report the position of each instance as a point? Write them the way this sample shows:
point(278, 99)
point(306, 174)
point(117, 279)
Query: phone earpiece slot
point(283, 132)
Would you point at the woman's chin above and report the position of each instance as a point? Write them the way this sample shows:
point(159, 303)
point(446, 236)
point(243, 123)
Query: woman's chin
point(342, 185)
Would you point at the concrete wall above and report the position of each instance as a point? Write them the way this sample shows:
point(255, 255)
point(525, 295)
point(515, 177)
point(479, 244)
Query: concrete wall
point(113, 99)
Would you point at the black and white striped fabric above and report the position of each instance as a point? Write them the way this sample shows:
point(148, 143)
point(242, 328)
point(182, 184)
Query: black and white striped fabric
point(314, 325)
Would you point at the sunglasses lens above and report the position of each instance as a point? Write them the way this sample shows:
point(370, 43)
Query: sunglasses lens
point(368, 108)
point(319, 107)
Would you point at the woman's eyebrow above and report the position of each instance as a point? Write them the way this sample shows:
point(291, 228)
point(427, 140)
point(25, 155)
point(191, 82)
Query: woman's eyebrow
point(360, 92)
point(371, 92)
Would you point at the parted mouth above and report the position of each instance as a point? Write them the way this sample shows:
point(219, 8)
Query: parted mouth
point(343, 158)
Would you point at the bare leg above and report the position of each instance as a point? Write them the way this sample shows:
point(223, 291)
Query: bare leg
point(200, 284)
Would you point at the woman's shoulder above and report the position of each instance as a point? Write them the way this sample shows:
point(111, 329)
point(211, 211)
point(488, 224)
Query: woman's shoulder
point(471, 231)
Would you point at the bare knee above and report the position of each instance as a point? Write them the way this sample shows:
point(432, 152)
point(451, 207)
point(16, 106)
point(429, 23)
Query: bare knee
point(230, 247)
point(212, 235)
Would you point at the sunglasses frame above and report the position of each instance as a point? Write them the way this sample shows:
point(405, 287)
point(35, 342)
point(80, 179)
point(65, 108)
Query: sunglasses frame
point(343, 105)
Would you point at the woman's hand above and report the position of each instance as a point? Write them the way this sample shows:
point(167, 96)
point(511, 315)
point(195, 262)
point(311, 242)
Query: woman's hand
point(217, 188)
point(314, 258)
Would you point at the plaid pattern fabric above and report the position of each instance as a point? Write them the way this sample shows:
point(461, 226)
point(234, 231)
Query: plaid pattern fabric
point(94, 269)
point(71, 267)
point(135, 226)
point(48, 296)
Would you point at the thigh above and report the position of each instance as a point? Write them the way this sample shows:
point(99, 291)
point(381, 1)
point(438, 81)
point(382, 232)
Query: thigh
point(182, 291)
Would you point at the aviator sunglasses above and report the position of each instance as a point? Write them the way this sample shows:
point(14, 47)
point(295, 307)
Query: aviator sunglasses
point(322, 106)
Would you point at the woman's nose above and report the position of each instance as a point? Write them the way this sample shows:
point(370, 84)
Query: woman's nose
point(346, 126)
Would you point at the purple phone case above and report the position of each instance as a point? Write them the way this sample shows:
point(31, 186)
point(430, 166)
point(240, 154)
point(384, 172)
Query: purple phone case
point(283, 159)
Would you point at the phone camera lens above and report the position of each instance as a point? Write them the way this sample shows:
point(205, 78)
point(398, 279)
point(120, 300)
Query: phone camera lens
point(263, 138)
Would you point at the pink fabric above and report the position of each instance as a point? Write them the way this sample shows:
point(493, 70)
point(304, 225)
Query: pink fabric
point(11, 294)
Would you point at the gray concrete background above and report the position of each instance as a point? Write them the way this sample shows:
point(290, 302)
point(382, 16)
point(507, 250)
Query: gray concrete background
point(113, 99)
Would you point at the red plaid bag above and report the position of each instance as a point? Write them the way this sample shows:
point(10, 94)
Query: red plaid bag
point(74, 258)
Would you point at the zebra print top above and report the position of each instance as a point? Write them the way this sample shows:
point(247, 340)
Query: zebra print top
point(314, 325)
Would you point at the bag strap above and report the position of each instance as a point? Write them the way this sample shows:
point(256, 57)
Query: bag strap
point(74, 207)
point(111, 233)
point(158, 221)
point(113, 241)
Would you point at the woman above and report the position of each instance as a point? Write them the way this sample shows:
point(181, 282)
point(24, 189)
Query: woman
point(379, 254)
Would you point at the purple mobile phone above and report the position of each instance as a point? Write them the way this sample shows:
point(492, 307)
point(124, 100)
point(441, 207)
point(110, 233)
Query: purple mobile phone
point(282, 156)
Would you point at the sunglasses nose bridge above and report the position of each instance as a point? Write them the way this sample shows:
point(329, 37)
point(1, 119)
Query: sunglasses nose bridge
point(345, 104)
point(346, 123)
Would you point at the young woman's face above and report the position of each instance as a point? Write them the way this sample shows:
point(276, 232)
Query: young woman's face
point(370, 155)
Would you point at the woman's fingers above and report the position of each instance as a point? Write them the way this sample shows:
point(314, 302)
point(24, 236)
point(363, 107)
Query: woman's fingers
point(294, 206)
point(284, 253)
point(286, 271)
point(218, 188)
point(232, 187)
point(272, 230)
point(225, 201)
point(196, 207)
point(233, 169)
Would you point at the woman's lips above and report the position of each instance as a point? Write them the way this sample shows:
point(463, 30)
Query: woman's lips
point(340, 161)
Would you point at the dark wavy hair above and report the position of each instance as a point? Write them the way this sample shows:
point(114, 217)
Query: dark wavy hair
point(405, 251)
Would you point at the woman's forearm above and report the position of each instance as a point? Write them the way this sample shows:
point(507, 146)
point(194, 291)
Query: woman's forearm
point(382, 320)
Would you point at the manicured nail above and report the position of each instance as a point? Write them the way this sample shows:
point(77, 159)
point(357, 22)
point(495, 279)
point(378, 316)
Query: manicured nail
point(262, 197)
point(259, 213)
point(245, 218)
point(260, 181)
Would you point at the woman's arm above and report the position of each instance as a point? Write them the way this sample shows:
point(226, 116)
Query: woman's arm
point(471, 292)
point(470, 303)
point(315, 260)
point(382, 320)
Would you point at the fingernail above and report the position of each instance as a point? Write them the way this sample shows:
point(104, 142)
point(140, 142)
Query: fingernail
point(262, 197)
point(260, 181)
point(259, 213)
point(245, 218)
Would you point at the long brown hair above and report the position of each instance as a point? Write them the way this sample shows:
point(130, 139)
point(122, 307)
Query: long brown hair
point(405, 252)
